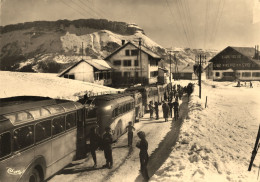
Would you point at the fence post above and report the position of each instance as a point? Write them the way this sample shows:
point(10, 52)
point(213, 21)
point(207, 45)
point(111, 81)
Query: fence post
point(206, 101)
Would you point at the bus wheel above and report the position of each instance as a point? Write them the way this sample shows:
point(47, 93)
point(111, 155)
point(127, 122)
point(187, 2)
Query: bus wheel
point(35, 176)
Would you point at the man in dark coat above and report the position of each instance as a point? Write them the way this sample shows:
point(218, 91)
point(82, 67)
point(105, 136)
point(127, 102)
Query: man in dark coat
point(107, 146)
point(143, 146)
point(176, 109)
point(156, 108)
point(170, 107)
point(151, 108)
point(166, 109)
point(95, 141)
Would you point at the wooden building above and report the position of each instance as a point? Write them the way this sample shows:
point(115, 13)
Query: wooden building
point(93, 71)
point(185, 72)
point(236, 63)
point(131, 67)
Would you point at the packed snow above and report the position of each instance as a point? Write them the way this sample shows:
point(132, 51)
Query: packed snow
point(48, 85)
point(216, 142)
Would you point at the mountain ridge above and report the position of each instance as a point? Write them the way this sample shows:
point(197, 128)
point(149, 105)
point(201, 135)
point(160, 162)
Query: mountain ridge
point(50, 46)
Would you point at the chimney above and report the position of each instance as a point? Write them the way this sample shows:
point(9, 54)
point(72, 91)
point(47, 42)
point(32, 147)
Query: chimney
point(123, 42)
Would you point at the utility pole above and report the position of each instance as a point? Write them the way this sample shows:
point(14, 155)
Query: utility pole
point(140, 53)
point(200, 70)
point(176, 67)
point(170, 51)
point(82, 51)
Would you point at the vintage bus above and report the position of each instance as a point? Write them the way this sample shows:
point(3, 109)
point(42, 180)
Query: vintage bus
point(38, 137)
point(114, 111)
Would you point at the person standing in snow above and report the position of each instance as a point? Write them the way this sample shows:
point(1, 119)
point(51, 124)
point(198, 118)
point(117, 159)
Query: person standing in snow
point(170, 107)
point(156, 108)
point(176, 109)
point(251, 85)
point(166, 109)
point(107, 146)
point(151, 109)
point(95, 140)
point(130, 130)
point(143, 146)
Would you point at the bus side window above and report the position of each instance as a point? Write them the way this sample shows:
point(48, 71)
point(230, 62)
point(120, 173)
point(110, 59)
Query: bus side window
point(42, 130)
point(58, 125)
point(70, 120)
point(23, 137)
point(5, 144)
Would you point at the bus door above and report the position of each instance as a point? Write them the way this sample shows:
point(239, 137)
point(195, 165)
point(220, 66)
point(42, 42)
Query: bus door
point(90, 121)
point(81, 137)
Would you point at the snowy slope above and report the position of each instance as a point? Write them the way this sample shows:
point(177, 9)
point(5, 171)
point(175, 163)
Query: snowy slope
point(216, 143)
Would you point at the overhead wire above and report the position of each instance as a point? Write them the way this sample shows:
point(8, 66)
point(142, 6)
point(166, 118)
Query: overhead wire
point(216, 19)
point(187, 22)
point(218, 22)
point(206, 25)
point(182, 23)
point(99, 9)
point(84, 10)
point(174, 19)
point(192, 27)
point(85, 5)
point(72, 8)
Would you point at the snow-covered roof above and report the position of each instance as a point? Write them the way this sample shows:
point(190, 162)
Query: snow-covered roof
point(186, 69)
point(48, 85)
point(99, 64)
point(143, 48)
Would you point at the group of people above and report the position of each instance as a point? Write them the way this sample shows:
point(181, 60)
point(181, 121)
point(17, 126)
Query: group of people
point(105, 143)
point(250, 84)
point(171, 102)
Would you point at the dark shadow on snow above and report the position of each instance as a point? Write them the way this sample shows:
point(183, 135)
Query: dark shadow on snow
point(159, 156)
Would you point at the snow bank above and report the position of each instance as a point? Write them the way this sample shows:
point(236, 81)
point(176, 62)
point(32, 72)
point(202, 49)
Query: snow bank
point(216, 142)
point(47, 85)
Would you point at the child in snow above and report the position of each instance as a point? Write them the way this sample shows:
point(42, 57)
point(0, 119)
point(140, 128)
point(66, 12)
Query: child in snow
point(130, 130)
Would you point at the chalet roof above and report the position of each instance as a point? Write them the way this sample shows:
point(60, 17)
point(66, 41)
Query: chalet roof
point(249, 52)
point(99, 64)
point(246, 51)
point(143, 48)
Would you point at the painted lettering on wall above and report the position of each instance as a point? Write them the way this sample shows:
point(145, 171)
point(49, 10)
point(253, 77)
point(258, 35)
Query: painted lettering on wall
point(232, 65)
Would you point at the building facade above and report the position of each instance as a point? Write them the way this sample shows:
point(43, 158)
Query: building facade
point(93, 71)
point(185, 72)
point(131, 67)
point(236, 63)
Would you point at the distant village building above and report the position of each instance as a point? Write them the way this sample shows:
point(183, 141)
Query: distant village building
point(236, 63)
point(131, 68)
point(184, 72)
point(163, 76)
point(93, 71)
point(208, 71)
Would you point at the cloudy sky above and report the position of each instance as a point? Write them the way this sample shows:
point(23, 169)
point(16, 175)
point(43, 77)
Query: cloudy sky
point(171, 23)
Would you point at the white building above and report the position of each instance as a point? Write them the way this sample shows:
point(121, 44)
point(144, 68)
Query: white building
point(131, 68)
point(93, 71)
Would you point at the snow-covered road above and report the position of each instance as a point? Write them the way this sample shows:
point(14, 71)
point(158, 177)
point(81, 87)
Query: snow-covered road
point(161, 136)
point(216, 142)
